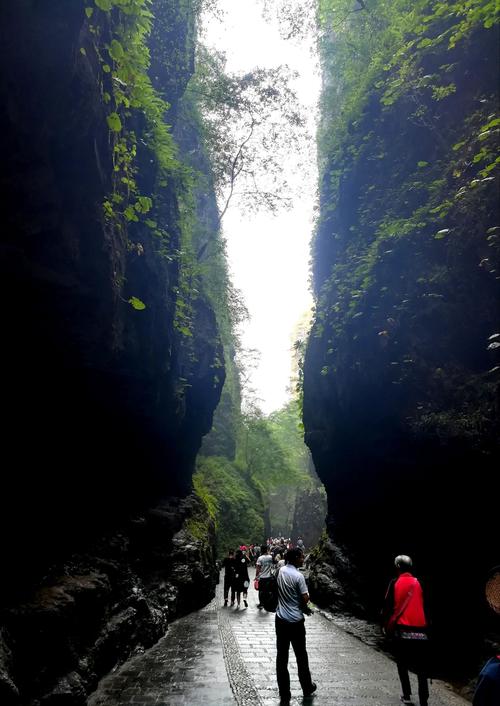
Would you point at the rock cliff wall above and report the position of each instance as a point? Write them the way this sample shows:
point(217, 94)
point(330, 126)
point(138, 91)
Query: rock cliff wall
point(98, 606)
point(105, 404)
point(401, 380)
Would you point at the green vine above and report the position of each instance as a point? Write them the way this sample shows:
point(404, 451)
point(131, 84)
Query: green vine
point(120, 30)
point(424, 181)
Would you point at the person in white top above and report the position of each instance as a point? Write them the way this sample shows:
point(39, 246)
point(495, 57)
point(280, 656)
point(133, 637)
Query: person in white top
point(263, 572)
point(293, 598)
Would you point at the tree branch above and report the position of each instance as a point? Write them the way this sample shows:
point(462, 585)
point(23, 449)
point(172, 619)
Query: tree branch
point(234, 173)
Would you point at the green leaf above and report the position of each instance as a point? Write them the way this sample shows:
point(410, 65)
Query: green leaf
point(82, 51)
point(458, 145)
point(422, 164)
point(116, 50)
point(114, 122)
point(106, 68)
point(492, 123)
point(104, 5)
point(143, 204)
point(108, 209)
point(130, 214)
point(89, 11)
point(137, 303)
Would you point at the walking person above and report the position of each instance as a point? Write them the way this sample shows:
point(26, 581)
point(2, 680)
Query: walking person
point(228, 564)
point(242, 579)
point(487, 691)
point(263, 573)
point(405, 622)
point(293, 598)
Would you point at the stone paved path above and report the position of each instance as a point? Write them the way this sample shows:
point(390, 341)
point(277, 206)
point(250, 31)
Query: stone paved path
point(225, 657)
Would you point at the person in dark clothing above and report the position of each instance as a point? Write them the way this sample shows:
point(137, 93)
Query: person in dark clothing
point(229, 583)
point(293, 598)
point(487, 691)
point(404, 620)
point(242, 579)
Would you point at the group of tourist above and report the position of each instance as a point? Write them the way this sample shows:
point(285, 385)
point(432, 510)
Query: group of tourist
point(266, 558)
point(403, 616)
point(279, 545)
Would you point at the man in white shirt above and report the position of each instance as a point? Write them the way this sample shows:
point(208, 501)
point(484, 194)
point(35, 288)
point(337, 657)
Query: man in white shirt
point(293, 598)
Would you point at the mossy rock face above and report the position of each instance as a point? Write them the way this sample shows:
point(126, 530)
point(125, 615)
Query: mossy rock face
point(401, 386)
point(119, 397)
point(108, 400)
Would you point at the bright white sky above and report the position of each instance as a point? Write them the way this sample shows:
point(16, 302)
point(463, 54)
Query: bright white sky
point(269, 255)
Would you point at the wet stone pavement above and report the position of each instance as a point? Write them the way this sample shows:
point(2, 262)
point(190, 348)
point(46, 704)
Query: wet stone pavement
point(226, 657)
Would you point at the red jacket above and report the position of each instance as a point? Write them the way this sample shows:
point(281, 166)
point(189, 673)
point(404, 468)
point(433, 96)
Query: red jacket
point(408, 612)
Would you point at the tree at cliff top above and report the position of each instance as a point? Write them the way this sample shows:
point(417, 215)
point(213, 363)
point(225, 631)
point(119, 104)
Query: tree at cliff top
point(401, 376)
point(253, 126)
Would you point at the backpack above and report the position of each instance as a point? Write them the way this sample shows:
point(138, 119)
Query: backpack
point(269, 597)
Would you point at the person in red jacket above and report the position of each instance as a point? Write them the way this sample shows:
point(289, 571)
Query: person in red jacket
point(405, 621)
